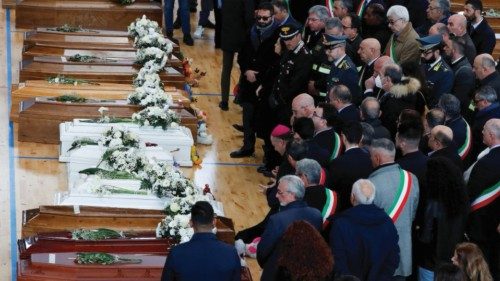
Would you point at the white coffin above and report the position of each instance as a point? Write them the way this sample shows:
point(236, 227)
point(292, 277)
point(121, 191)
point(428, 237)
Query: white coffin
point(177, 141)
point(89, 156)
point(149, 202)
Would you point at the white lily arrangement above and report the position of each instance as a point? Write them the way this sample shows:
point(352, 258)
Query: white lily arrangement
point(124, 159)
point(183, 205)
point(153, 40)
point(116, 138)
point(157, 117)
point(143, 26)
point(176, 227)
point(149, 96)
point(151, 80)
point(164, 181)
point(155, 54)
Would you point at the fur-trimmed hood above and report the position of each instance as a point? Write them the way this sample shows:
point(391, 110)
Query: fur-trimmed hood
point(407, 86)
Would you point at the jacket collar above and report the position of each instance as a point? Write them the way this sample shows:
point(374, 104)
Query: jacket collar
point(203, 236)
point(294, 205)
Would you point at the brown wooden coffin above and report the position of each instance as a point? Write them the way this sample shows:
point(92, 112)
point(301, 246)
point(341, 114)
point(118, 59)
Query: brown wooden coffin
point(41, 88)
point(39, 119)
point(60, 266)
point(123, 74)
point(62, 55)
point(99, 14)
point(105, 40)
point(63, 218)
point(59, 242)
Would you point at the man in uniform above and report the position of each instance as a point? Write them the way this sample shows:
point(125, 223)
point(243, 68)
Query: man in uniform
point(343, 71)
point(294, 69)
point(439, 75)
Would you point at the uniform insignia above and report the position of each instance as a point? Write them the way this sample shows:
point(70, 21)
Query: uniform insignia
point(437, 66)
point(344, 65)
point(335, 79)
point(285, 29)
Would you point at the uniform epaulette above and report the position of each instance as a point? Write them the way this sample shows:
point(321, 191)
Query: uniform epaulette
point(344, 65)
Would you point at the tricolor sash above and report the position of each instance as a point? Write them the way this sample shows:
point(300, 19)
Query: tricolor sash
point(486, 197)
point(322, 177)
point(464, 150)
point(361, 9)
point(330, 206)
point(391, 52)
point(329, 6)
point(337, 147)
point(403, 192)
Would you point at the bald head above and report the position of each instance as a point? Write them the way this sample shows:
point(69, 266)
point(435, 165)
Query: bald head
point(303, 106)
point(457, 24)
point(369, 49)
point(363, 192)
point(380, 63)
point(491, 132)
point(441, 137)
point(370, 108)
point(484, 65)
point(438, 28)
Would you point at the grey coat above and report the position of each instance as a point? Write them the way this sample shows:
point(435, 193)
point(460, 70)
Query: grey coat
point(386, 181)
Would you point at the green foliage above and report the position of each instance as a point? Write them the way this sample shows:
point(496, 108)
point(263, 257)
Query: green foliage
point(95, 234)
point(102, 258)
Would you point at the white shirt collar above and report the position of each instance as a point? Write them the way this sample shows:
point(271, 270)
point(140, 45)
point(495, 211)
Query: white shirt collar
point(339, 60)
point(474, 25)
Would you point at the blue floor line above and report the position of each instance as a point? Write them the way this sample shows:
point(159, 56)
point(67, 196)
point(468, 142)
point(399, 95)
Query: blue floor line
point(12, 175)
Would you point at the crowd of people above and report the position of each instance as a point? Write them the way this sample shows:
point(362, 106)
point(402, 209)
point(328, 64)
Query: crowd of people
point(381, 130)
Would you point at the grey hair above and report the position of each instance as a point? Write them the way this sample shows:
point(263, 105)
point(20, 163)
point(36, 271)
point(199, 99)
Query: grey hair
point(358, 194)
point(294, 185)
point(487, 93)
point(368, 134)
point(309, 168)
point(370, 112)
point(384, 146)
point(346, 4)
point(320, 11)
point(450, 105)
point(487, 62)
point(399, 12)
point(444, 6)
point(342, 93)
point(331, 23)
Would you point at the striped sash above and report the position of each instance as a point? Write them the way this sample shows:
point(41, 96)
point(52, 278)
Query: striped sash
point(486, 197)
point(361, 9)
point(403, 192)
point(464, 150)
point(322, 177)
point(391, 52)
point(337, 147)
point(330, 206)
point(329, 6)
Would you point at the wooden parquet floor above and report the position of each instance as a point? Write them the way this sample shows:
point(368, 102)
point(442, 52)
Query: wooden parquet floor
point(30, 173)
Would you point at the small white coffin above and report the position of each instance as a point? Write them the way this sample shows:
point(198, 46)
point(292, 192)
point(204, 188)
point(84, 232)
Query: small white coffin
point(177, 140)
point(89, 156)
point(149, 202)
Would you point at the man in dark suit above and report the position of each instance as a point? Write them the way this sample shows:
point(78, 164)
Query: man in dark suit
point(303, 128)
point(211, 258)
point(340, 97)
point(462, 132)
point(370, 113)
point(480, 31)
point(484, 190)
point(282, 14)
point(369, 52)
point(457, 25)
point(484, 68)
point(352, 29)
point(293, 208)
point(487, 106)
point(442, 145)
point(354, 164)
point(464, 82)
point(437, 11)
point(326, 126)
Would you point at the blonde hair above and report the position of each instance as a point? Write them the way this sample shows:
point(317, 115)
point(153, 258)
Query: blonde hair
point(471, 260)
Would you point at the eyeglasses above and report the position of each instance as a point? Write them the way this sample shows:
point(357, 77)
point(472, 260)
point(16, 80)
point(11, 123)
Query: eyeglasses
point(312, 19)
point(432, 8)
point(264, 18)
point(346, 27)
point(476, 101)
point(392, 22)
point(317, 116)
point(280, 192)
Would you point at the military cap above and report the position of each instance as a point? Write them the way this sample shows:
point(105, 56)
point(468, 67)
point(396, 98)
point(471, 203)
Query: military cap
point(429, 42)
point(288, 31)
point(331, 41)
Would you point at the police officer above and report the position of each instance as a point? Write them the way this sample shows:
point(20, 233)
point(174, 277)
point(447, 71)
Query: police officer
point(438, 73)
point(295, 66)
point(343, 71)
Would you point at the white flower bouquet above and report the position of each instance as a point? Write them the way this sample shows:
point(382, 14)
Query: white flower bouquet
point(151, 54)
point(163, 181)
point(124, 159)
point(183, 205)
point(149, 96)
point(143, 26)
point(151, 80)
point(176, 227)
point(153, 40)
point(157, 117)
point(115, 138)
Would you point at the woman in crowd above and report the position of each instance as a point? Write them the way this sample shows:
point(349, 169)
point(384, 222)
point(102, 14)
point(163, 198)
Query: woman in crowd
point(470, 259)
point(305, 256)
point(450, 272)
point(445, 214)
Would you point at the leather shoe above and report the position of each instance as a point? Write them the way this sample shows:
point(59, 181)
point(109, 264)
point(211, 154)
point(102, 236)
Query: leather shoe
point(188, 40)
point(223, 105)
point(240, 153)
point(261, 169)
point(238, 127)
point(210, 25)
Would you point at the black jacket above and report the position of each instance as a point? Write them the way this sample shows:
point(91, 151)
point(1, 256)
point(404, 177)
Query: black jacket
point(464, 83)
point(449, 152)
point(483, 37)
point(237, 18)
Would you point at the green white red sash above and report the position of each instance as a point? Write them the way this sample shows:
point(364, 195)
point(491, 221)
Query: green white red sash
point(361, 9)
point(337, 147)
point(329, 6)
point(330, 206)
point(322, 177)
point(486, 197)
point(402, 195)
point(464, 150)
point(392, 49)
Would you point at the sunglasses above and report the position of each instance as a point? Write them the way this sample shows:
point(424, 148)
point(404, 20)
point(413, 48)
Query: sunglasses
point(264, 18)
